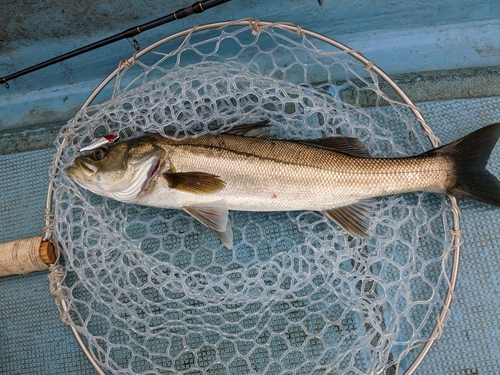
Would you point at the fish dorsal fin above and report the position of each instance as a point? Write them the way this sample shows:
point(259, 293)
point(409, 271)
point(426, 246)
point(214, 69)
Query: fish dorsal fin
point(346, 145)
point(194, 182)
point(254, 130)
point(354, 219)
point(215, 216)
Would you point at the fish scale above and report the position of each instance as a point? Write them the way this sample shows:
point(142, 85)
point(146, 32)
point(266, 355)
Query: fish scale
point(297, 177)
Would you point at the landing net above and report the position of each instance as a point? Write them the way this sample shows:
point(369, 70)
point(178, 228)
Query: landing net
point(152, 291)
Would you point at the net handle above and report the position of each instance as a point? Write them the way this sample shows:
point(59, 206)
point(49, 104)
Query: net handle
point(370, 66)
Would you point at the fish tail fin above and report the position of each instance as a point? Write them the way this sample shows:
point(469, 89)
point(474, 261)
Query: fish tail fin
point(470, 155)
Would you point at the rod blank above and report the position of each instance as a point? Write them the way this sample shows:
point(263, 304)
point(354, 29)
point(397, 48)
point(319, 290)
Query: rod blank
point(197, 7)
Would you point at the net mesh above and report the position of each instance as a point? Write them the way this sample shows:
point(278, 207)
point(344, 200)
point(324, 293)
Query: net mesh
point(152, 291)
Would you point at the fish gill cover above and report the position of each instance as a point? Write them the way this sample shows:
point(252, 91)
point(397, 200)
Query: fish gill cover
point(152, 291)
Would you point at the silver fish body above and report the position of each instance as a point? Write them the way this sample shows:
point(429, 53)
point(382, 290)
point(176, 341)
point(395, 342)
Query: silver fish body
point(210, 174)
point(272, 175)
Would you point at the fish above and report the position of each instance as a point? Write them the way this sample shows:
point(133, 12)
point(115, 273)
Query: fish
point(247, 169)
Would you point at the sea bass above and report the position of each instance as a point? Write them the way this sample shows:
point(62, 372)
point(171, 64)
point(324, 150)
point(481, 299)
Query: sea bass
point(246, 169)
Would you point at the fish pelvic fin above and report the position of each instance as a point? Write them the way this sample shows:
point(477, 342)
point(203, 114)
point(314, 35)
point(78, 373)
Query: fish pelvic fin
point(470, 155)
point(215, 216)
point(226, 236)
point(354, 219)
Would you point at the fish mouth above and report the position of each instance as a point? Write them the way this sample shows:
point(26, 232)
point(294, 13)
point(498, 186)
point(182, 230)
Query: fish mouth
point(73, 171)
point(81, 170)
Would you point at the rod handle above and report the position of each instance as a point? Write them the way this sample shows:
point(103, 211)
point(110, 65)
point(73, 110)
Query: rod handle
point(26, 255)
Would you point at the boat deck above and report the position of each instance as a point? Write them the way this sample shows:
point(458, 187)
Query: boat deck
point(34, 341)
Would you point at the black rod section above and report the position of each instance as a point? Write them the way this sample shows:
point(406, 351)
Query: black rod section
point(129, 33)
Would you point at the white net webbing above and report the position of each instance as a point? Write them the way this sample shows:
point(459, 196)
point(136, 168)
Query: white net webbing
point(152, 291)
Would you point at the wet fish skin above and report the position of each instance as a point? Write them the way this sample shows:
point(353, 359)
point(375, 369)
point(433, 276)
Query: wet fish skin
point(281, 176)
point(210, 174)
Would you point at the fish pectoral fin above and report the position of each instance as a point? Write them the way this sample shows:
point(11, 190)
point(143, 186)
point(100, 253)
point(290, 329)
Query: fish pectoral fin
point(354, 219)
point(194, 182)
point(254, 130)
point(345, 145)
point(215, 216)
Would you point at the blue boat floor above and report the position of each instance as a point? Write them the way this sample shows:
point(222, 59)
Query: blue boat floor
point(34, 341)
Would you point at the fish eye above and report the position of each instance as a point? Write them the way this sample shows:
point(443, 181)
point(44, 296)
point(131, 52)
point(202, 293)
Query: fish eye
point(99, 153)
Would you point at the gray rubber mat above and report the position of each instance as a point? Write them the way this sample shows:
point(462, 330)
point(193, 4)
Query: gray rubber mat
point(32, 338)
point(34, 341)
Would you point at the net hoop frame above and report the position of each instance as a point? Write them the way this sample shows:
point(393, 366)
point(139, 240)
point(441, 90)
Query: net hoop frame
point(370, 66)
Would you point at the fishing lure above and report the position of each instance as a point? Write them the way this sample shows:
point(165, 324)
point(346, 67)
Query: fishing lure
point(101, 141)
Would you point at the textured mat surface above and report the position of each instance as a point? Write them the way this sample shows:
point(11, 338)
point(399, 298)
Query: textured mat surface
point(32, 338)
point(471, 340)
point(34, 341)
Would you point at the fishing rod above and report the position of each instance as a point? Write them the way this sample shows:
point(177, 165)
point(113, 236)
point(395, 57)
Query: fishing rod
point(197, 7)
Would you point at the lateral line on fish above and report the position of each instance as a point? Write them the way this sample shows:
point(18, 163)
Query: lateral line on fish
point(340, 170)
point(242, 153)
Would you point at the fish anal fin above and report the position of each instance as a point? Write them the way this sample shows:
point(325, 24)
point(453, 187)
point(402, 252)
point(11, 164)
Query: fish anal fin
point(346, 145)
point(194, 182)
point(215, 216)
point(354, 219)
